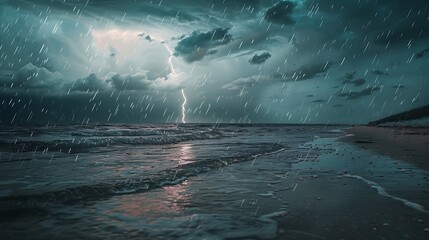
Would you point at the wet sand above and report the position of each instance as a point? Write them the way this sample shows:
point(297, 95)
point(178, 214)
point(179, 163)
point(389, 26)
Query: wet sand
point(401, 143)
point(342, 208)
point(350, 189)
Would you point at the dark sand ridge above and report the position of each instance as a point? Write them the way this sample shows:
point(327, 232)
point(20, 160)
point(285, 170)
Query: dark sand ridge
point(416, 113)
point(401, 143)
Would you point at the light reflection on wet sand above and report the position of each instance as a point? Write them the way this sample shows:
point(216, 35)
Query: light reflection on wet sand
point(163, 202)
point(185, 153)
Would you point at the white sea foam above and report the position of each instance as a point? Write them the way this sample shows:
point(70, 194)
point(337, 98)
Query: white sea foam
point(172, 182)
point(382, 192)
point(217, 226)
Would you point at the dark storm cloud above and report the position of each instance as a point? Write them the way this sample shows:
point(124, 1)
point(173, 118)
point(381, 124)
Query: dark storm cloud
point(384, 21)
point(111, 106)
point(30, 77)
point(198, 44)
point(129, 82)
point(306, 72)
point(379, 73)
point(148, 38)
point(241, 83)
point(145, 36)
point(358, 94)
point(422, 53)
point(281, 13)
point(237, 9)
point(126, 11)
point(408, 28)
point(259, 59)
point(301, 35)
point(349, 76)
point(356, 82)
point(92, 83)
point(236, 5)
point(33, 79)
point(114, 10)
point(311, 71)
point(51, 50)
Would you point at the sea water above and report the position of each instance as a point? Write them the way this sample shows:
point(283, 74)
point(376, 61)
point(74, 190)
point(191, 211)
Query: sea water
point(191, 181)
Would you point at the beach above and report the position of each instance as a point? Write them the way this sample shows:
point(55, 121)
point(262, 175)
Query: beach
point(374, 186)
point(403, 143)
point(205, 182)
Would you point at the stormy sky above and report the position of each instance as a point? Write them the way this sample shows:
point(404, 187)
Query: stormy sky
point(237, 61)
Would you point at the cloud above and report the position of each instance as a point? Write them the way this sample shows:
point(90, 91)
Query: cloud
point(148, 38)
point(172, 82)
point(383, 22)
point(90, 83)
point(281, 13)
point(131, 82)
point(349, 76)
point(358, 94)
point(170, 9)
point(116, 81)
point(234, 6)
point(310, 71)
point(145, 36)
point(301, 35)
point(199, 44)
point(413, 27)
point(356, 82)
point(140, 82)
point(421, 53)
point(259, 59)
point(306, 72)
point(247, 82)
point(379, 72)
point(31, 77)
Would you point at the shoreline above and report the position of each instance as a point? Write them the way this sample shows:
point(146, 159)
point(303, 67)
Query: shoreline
point(401, 143)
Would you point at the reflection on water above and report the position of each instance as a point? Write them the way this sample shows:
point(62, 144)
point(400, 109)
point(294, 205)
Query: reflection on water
point(185, 154)
point(152, 205)
point(149, 205)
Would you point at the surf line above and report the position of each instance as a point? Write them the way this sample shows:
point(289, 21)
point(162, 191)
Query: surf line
point(382, 192)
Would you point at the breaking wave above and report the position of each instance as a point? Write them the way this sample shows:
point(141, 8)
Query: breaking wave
point(100, 191)
point(75, 144)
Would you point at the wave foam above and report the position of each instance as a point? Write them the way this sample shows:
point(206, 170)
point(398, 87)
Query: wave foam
point(382, 192)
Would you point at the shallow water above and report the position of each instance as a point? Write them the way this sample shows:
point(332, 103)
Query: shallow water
point(200, 182)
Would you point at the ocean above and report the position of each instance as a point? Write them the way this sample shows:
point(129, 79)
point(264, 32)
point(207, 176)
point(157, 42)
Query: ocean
point(201, 181)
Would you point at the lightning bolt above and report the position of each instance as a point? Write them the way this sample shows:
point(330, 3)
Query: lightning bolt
point(183, 106)
point(170, 58)
point(173, 72)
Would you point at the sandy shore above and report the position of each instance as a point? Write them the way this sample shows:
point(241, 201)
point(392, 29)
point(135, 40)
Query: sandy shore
point(401, 143)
